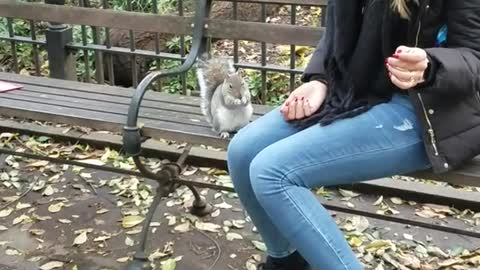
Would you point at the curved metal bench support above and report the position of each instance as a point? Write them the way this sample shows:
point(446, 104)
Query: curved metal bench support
point(132, 137)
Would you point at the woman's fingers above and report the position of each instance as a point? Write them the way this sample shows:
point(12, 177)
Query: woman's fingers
point(402, 84)
point(292, 109)
point(299, 112)
point(401, 64)
point(307, 108)
point(405, 75)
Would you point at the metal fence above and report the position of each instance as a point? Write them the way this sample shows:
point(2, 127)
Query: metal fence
point(94, 49)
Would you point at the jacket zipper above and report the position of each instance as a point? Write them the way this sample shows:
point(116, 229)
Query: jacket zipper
point(430, 128)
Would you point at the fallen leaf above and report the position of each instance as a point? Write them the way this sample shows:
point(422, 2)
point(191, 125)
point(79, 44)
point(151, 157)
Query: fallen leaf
point(6, 212)
point(23, 206)
point(129, 242)
point(259, 245)
point(233, 236)
point(12, 252)
point(215, 213)
point(40, 163)
point(348, 193)
point(209, 227)
point(157, 254)
point(169, 264)
point(64, 221)
point(102, 211)
point(396, 200)
point(48, 191)
point(55, 208)
point(80, 239)
point(22, 219)
point(184, 227)
point(355, 241)
point(3, 228)
point(123, 259)
point(378, 201)
point(37, 232)
point(131, 221)
point(51, 265)
point(223, 205)
point(102, 238)
point(408, 236)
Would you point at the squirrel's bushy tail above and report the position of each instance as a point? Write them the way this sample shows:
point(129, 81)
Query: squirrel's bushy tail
point(211, 72)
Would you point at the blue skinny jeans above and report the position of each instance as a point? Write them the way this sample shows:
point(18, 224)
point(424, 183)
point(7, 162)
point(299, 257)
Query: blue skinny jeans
point(274, 166)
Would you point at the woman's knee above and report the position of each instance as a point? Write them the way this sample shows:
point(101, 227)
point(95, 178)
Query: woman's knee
point(266, 173)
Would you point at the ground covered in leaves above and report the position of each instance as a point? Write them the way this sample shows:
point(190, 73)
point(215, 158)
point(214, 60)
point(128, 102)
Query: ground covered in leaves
point(65, 217)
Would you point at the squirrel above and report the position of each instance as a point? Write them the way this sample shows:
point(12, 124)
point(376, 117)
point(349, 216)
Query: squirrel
point(225, 96)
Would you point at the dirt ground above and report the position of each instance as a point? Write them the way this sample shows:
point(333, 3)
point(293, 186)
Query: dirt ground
point(74, 218)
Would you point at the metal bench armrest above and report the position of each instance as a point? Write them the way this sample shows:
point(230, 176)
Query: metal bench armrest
point(131, 132)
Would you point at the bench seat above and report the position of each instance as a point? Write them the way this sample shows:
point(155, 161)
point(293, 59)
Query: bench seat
point(162, 115)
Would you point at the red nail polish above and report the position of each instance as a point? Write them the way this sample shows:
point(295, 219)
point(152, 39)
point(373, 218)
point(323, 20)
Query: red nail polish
point(395, 56)
point(287, 103)
point(399, 51)
point(296, 99)
point(303, 98)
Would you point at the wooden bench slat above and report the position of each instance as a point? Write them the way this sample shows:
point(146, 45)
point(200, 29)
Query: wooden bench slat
point(147, 105)
point(95, 106)
point(110, 92)
point(107, 121)
point(241, 30)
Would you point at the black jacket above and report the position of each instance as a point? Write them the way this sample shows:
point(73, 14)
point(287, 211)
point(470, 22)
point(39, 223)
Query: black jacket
point(448, 106)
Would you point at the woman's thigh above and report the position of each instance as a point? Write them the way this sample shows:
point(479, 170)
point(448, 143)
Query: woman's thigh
point(382, 142)
point(257, 135)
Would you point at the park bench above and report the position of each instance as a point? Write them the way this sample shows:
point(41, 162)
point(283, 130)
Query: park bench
point(61, 99)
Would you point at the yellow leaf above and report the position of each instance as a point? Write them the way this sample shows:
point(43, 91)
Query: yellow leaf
point(51, 265)
point(80, 239)
point(123, 259)
point(41, 163)
point(6, 212)
point(54, 208)
point(22, 219)
point(131, 221)
point(48, 191)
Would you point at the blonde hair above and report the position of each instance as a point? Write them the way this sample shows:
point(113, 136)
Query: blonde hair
point(401, 7)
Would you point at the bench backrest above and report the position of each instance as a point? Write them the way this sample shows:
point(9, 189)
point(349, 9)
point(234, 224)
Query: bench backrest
point(230, 29)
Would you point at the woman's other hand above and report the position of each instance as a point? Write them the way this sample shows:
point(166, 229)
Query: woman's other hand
point(304, 101)
point(407, 67)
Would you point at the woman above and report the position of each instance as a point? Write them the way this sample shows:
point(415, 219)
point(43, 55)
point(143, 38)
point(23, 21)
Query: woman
point(383, 95)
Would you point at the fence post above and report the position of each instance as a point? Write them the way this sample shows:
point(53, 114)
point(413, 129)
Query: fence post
point(61, 60)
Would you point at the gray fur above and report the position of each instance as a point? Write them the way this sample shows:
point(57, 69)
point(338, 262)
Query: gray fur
point(225, 97)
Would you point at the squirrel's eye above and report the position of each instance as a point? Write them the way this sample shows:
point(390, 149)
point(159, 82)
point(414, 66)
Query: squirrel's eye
point(230, 86)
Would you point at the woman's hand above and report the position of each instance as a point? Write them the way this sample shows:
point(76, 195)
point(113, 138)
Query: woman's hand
point(304, 101)
point(407, 67)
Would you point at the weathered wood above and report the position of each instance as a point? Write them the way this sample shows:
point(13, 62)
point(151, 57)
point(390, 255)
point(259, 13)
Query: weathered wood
point(121, 104)
point(252, 31)
point(104, 92)
point(144, 115)
point(107, 121)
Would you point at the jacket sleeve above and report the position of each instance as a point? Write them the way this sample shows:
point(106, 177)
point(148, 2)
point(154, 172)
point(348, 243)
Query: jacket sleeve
point(456, 67)
point(316, 68)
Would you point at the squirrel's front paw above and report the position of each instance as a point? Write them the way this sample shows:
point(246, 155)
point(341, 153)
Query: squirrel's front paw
point(244, 100)
point(237, 102)
point(224, 135)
